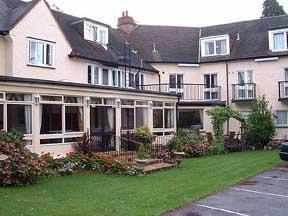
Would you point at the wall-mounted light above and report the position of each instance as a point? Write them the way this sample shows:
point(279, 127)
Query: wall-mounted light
point(88, 102)
point(118, 102)
point(37, 99)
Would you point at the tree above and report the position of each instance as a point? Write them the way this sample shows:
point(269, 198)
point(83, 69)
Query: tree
point(260, 124)
point(272, 8)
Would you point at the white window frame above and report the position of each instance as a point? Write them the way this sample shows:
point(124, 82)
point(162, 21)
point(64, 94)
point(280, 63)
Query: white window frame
point(211, 89)
point(213, 39)
point(177, 89)
point(99, 29)
point(281, 125)
point(245, 87)
point(271, 39)
point(45, 43)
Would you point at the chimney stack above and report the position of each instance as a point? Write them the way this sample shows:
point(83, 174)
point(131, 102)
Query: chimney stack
point(126, 23)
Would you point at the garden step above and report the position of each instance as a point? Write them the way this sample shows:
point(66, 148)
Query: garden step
point(157, 167)
point(153, 161)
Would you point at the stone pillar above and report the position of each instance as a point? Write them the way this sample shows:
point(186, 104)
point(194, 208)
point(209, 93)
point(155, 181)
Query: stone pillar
point(118, 124)
point(36, 128)
point(150, 116)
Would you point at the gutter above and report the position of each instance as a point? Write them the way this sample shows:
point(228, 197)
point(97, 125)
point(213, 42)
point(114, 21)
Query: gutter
point(4, 33)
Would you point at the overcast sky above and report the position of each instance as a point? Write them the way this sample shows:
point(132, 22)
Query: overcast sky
point(167, 12)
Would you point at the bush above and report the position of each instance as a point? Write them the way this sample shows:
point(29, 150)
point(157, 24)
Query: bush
point(193, 144)
point(144, 135)
point(13, 136)
point(141, 153)
point(260, 125)
point(22, 166)
point(83, 144)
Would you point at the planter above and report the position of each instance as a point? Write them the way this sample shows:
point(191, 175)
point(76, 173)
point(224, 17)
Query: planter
point(179, 156)
point(140, 164)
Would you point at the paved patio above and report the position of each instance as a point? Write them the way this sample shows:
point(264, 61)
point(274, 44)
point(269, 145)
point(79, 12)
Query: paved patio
point(263, 195)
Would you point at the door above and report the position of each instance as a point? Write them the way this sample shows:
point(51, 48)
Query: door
point(102, 126)
point(176, 83)
point(245, 87)
point(210, 87)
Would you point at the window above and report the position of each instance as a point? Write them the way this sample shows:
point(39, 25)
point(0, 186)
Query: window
point(102, 118)
point(19, 117)
point(141, 116)
point(90, 32)
point(1, 117)
point(102, 39)
point(215, 46)
point(191, 118)
point(119, 79)
point(93, 74)
point(18, 97)
point(282, 118)
point(41, 53)
point(105, 77)
point(114, 78)
point(50, 119)
point(278, 40)
point(245, 114)
point(210, 87)
point(131, 80)
point(169, 118)
point(127, 118)
point(158, 118)
point(176, 83)
point(245, 87)
point(74, 119)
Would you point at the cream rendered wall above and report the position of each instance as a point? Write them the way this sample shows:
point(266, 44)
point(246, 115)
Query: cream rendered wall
point(40, 24)
point(2, 56)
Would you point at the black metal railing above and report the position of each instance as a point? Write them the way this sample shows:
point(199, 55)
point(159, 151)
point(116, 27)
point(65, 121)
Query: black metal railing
point(283, 90)
point(189, 92)
point(243, 92)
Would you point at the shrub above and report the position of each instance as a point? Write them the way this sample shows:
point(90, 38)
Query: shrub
point(260, 124)
point(141, 153)
point(13, 136)
point(83, 144)
point(22, 166)
point(144, 135)
point(193, 144)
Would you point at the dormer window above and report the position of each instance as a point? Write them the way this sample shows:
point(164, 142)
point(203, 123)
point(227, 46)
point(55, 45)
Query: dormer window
point(213, 46)
point(278, 40)
point(96, 33)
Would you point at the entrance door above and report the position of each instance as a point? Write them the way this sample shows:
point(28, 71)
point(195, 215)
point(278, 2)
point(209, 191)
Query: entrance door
point(210, 87)
point(245, 85)
point(102, 126)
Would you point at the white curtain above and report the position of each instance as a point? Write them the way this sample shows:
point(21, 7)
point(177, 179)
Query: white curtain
point(40, 116)
point(28, 119)
point(279, 41)
point(110, 114)
point(145, 116)
point(282, 118)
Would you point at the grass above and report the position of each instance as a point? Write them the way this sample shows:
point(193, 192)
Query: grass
point(96, 194)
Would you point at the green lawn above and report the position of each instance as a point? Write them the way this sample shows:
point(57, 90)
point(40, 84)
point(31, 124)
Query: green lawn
point(96, 194)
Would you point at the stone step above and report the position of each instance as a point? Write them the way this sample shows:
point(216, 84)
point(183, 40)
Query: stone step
point(150, 162)
point(157, 167)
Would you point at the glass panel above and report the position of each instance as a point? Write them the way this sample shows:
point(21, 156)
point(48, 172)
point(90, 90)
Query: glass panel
point(209, 48)
point(192, 119)
point(169, 104)
point(33, 52)
point(127, 118)
point(105, 77)
point(102, 37)
point(71, 140)
point(50, 118)
point(1, 117)
point(49, 54)
point(142, 103)
point(241, 77)
point(96, 75)
point(213, 80)
point(40, 53)
point(169, 118)
point(114, 78)
point(108, 101)
point(1, 96)
point(141, 117)
point(19, 117)
point(89, 74)
point(131, 80)
point(51, 98)
point(157, 104)
point(75, 100)
point(179, 81)
point(172, 81)
point(221, 47)
point(74, 119)
point(18, 97)
point(96, 100)
point(279, 41)
point(102, 119)
point(157, 118)
point(51, 141)
point(282, 118)
point(127, 102)
point(119, 78)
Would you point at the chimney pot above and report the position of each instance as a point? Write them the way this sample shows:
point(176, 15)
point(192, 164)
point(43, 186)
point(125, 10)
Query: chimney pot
point(123, 13)
point(126, 23)
point(126, 13)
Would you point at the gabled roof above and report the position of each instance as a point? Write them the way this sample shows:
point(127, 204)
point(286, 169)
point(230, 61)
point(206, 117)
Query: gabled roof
point(12, 11)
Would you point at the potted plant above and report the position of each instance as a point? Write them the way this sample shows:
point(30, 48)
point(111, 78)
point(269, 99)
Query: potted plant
point(179, 154)
point(141, 158)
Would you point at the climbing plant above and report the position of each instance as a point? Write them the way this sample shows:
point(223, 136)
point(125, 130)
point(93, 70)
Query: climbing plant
point(219, 115)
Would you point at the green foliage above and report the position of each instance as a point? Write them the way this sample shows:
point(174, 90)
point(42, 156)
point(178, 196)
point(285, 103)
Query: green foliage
point(144, 135)
point(83, 144)
point(141, 153)
point(261, 126)
point(22, 166)
point(220, 115)
point(13, 136)
point(193, 144)
point(272, 8)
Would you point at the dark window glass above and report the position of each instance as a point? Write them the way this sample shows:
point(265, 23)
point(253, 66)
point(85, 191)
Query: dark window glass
point(127, 118)
point(114, 78)
point(51, 141)
point(192, 119)
point(19, 117)
point(141, 117)
point(18, 97)
point(131, 80)
point(102, 119)
point(89, 74)
point(172, 81)
point(119, 79)
point(1, 117)
point(105, 77)
point(51, 118)
point(157, 118)
point(74, 119)
point(169, 118)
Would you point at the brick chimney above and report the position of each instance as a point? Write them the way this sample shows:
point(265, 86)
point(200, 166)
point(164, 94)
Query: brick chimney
point(126, 23)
